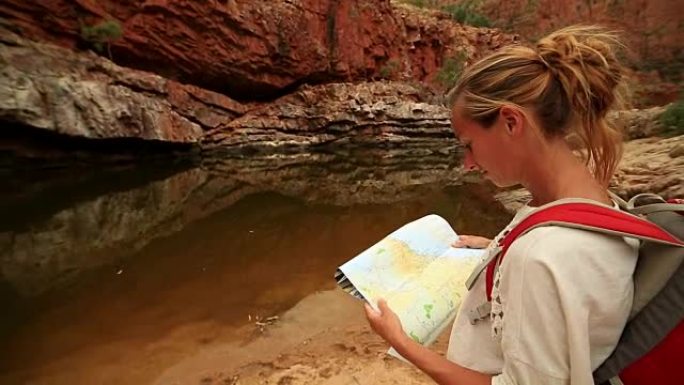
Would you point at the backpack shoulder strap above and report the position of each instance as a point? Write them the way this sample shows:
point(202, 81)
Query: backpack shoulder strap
point(586, 216)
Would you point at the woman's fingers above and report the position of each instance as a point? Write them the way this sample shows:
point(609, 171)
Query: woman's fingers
point(459, 243)
point(462, 241)
point(472, 241)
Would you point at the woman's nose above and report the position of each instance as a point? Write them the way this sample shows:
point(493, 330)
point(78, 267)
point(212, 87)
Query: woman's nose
point(469, 163)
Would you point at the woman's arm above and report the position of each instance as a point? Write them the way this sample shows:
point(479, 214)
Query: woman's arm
point(386, 324)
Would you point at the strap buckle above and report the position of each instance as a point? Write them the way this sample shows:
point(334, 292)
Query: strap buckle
point(491, 254)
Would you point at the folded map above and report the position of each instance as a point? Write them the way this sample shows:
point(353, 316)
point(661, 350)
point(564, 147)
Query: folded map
point(419, 274)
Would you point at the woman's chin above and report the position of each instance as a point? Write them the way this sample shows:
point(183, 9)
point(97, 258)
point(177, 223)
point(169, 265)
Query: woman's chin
point(498, 182)
point(495, 180)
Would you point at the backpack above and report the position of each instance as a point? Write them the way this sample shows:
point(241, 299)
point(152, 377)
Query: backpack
point(651, 347)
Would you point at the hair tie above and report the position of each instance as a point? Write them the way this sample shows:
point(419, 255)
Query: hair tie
point(547, 65)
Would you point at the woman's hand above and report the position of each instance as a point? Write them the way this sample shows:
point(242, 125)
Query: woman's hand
point(472, 242)
point(385, 323)
point(444, 372)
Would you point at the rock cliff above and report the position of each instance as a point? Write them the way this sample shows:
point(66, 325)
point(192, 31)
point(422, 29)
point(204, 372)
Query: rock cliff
point(258, 49)
point(651, 28)
point(81, 94)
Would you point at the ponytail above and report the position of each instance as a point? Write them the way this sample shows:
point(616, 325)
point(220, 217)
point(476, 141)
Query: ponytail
point(583, 59)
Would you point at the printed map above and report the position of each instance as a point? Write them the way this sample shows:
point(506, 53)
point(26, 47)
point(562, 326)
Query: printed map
point(419, 274)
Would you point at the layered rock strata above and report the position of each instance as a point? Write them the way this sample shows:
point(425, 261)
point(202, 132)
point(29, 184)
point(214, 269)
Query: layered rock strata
point(377, 114)
point(83, 95)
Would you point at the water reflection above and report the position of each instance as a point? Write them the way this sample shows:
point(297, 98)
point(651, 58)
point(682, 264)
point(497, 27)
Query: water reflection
point(50, 241)
point(153, 272)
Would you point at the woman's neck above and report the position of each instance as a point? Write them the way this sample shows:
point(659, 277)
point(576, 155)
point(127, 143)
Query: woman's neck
point(556, 173)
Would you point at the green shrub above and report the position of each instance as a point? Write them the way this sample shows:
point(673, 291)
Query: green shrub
point(423, 3)
point(389, 69)
point(102, 34)
point(466, 12)
point(451, 70)
point(417, 3)
point(673, 118)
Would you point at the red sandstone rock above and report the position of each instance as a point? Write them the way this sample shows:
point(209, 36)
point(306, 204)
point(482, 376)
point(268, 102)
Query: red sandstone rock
point(652, 31)
point(257, 49)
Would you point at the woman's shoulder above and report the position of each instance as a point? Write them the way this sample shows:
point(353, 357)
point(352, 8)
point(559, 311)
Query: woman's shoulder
point(564, 237)
point(563, 247)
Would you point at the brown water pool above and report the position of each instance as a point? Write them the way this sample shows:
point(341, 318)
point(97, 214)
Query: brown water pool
point(138, 309)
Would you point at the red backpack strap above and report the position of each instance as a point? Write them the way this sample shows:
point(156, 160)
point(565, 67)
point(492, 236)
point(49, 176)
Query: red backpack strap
point(586, 216)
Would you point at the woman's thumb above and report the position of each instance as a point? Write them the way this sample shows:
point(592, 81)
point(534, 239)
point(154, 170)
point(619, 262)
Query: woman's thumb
point(370, 312)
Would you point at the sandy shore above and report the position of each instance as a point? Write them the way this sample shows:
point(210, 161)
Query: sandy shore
point(323, 340)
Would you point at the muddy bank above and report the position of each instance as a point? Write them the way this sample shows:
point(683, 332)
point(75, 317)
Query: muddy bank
point(323, 340)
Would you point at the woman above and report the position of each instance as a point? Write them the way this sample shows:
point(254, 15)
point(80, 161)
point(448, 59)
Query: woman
point(562, 296)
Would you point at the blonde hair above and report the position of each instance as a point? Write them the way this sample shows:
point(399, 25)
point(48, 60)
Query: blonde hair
point(570, 80)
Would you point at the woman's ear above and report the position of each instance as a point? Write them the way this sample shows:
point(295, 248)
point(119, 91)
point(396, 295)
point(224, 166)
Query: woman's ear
point(513, 119)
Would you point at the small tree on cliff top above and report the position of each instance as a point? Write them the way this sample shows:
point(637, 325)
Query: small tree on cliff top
point(467, 12)
point(451, 70)
point(102, 34)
